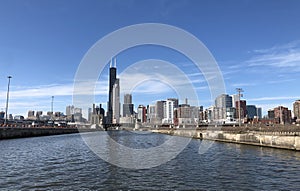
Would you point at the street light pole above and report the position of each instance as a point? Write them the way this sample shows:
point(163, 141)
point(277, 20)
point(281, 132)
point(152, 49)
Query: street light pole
point(7, 97)
point(239, 90)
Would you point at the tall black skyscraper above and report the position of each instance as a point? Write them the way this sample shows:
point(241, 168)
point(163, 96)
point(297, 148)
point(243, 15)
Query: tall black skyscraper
point(112, 80)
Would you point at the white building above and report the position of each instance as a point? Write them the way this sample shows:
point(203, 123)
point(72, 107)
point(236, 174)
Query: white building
point(151, 113)
point(235, 98)
point(169, 106)
point(216, 114)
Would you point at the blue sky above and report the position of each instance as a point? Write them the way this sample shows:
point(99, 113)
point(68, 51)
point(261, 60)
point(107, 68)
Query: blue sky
point(255, 43)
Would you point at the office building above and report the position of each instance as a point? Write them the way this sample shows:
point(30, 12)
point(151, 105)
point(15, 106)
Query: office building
point(69, 110)
point(223, 101)
point(141, 114)
point(74, 114)
point(280, 115)
point(38, 114)
point(186, 114)
point(30, 115)
point(159, 109)
point(127, 98)
point(251, 111)
point(169, 105)
point(97, 115)
point(296, 109)
point(259, 113)
point(116, 102)
point(111, 106)
point(128, 106)
point(242, 104)
point(151, 114)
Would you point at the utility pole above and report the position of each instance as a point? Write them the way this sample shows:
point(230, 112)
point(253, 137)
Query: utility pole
point(52, 103)
point(52, 98)
point(280, 115)
point(7, 97)
point(239, 90)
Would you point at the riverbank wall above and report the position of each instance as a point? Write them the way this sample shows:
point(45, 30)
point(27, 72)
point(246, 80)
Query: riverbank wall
point(10, 133)
point(283, 140)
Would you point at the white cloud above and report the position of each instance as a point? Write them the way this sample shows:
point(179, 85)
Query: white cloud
point(54, 90)
point(280, 81)
point(243, 84)
point(274, 98)
point(276, 48)
point(283, 56)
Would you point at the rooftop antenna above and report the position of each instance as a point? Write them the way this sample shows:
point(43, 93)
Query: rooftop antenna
point(115, 60)
point(110, 63)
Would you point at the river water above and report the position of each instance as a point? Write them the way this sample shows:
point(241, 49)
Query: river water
point(65, 162)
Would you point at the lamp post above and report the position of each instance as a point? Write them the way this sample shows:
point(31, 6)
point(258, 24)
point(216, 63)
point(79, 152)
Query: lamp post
point(239, 90)
point(7, 97)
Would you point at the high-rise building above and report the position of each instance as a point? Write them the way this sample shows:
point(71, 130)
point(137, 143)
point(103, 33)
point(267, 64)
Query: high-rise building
point(127, 106)
point(296, 109)
point(38, 114)
point(235, 97)
point(74, 113)
point(280, 115)
point(112, 81)
point(30, 114)
point(223, 101)
point(69, 110)
point(141, 114)
point(159, 109)
point(219, 113)
point(186, 114)
point(127, 98)
point(169, 105)
point(175, 100)
point(216, 114)
point(97, 115)
point(241, 104)
point(151, 113)
point(251, 111)
point(259, 112)
point(184, 111)
point(116, 102)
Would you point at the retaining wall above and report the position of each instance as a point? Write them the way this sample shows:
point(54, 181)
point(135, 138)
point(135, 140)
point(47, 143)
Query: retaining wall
point(9, 133)
point(286, 140)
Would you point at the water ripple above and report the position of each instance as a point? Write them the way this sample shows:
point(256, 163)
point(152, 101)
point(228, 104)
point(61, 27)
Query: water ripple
point(64, 162)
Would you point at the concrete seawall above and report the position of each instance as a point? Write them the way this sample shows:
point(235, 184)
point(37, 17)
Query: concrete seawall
point(283, 140)
point(10, 133)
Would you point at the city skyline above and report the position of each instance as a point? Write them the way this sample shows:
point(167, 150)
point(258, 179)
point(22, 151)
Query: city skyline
point(255, 44)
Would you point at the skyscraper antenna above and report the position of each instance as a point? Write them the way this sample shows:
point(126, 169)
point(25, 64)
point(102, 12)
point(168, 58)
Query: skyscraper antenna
point(110, 63)
point(115, 62)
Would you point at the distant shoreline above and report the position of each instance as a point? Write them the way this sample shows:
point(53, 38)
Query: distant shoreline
point(21, 132)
